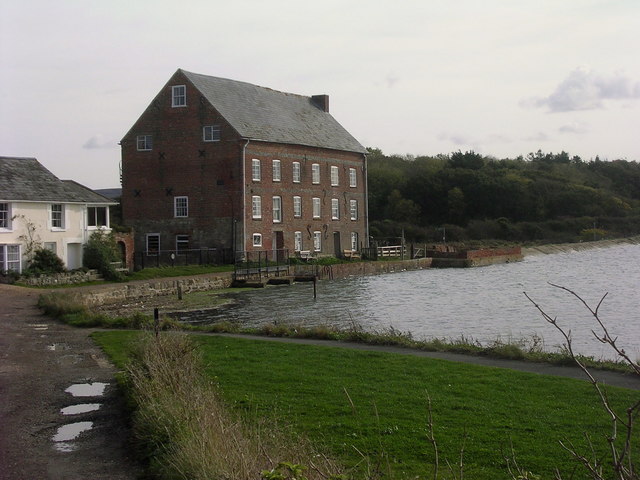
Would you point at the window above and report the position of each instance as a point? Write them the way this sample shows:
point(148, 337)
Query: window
point(145, 143)
point(335, 209)
point(354, 241)
point(296, 172)
point(353, 179)
point(297, 207)
point(5, 216)
point(97, 217)
point(51, 246)
point(256, 207)
point(315, 173)
point(316, 207)
point(211, 133)
point(255, 170)
point(317, 241)
point(182, 243)
point(153, 243)
point(334, 176)
point(276, 170)
point(257, 239)
point(181, 207)
point(353, 208)
point(178, 96)
point(10, 258)
point(277, 209)
point(57, 216)
point(297, 241)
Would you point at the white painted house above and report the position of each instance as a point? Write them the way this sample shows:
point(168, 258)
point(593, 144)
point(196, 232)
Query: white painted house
point(37, 208)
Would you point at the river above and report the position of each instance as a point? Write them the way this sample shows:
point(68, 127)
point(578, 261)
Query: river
point(482, 304)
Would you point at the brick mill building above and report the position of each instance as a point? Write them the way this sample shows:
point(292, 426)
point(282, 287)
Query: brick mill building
point(218, 163)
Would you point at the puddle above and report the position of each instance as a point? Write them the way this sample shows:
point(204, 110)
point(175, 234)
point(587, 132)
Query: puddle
point(95, 389)
point(39, 326)
point(68, 432)
point(58, 346)
point(80, 408)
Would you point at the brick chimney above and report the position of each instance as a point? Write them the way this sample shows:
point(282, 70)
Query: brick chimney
point(322, 101)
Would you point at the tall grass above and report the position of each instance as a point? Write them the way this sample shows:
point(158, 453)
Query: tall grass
point(185, 430)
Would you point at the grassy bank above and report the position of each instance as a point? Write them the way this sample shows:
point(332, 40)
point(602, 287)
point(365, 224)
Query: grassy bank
point(370, 410)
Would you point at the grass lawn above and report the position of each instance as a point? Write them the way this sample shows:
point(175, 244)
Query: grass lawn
point(385, 414)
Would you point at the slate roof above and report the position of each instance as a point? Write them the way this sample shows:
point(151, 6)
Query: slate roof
point(27, 180)
point(260, 113)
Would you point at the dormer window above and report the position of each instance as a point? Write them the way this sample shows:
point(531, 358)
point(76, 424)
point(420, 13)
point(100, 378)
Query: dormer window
point(179, 96)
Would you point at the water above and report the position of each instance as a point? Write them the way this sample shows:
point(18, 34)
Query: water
point(68, 432)
point(95, 389)
point(483, 304)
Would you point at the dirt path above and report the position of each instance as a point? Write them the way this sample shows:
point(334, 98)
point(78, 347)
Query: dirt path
point(40, 359)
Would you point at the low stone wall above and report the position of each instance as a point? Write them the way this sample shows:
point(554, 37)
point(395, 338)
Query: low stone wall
point(67, 278)
point(344, 270)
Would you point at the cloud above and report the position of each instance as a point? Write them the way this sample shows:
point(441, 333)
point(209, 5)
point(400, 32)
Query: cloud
point(585, 90)
point(575, 127)
point(98, 142)
point(538, 137)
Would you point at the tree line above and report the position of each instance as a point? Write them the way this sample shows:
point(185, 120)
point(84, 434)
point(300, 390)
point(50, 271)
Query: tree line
point(471, 197)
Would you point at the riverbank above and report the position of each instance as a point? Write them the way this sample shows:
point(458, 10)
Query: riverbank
point(578, 247)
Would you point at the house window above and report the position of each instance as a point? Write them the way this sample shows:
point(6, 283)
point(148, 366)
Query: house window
point(97, 217)
point(51, 246)
point(296, 172)
point(354, 241)
point(335, 209)
point(5, 216)
point(317, 241)
point(353, 208)
point(276, 171)
point(256, 207)
point(57, 216)
point(277, 209)
point(182, 243)
point(211, 133)
point(297, 241)
point(316, 207)
point(255, 170)
point(145, 143)
point(334, 176)
point(257, 239)
point(181, 207)
point(178, 96)
point(315, 173)
point(10, 258)
point(153, 244)
point(297, 207)
point(353, 179)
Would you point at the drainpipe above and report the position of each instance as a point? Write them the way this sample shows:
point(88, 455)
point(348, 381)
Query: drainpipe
point(366, 201)
point(244, 198)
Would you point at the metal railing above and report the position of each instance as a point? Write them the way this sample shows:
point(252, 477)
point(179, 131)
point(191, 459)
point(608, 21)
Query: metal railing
point(261, 263)
point(173, 258)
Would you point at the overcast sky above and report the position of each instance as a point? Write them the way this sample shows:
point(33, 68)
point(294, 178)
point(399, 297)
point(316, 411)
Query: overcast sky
point(421, 77)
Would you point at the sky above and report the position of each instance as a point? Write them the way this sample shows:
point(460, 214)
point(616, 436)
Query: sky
point(420, 77)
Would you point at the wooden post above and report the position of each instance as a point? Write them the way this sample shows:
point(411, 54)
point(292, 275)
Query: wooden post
point(179, 290)
point(156, 322)
point(315, 278)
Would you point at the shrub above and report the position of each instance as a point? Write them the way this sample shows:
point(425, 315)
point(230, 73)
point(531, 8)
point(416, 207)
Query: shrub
point(100, 253)
point(45, 262)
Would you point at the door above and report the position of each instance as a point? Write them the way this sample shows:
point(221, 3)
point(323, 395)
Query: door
point(278, 246)
point(336, 244)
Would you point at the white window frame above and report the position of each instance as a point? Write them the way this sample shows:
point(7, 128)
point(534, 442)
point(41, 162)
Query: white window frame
point(11, 258)
point(354, 241)
point(180, 240)
point(51, 246)
point(144, 143)
point(277, 209)
point(256, 239)
point(256, 207)
point(295, 172)
point(92, 217)
point(256, 173)
point(297, 241)
point(353, 209)
point(6, 223)
point(60, 219)
point(353, 177)
point(335, 176)
point(335, 209)
point(276, 169)
point(211, 133)
point(317, 241)
point(181, 207)
point(315, 173)
point(297, 206)
point(317, 212)
point(150, 252)
point(179, 96)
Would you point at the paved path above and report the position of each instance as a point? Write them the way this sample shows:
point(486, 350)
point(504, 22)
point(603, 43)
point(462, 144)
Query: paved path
point(39, 359)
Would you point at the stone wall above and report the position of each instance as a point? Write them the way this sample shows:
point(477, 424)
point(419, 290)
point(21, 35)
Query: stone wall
point(67, 278)
point(343, 270)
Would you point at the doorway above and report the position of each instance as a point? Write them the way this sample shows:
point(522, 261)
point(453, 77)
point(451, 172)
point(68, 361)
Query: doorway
point(337, 245)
